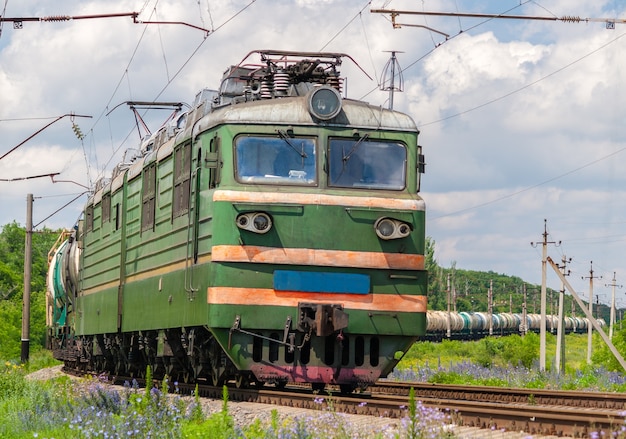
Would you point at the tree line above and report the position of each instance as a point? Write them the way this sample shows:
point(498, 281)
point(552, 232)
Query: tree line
point(12, 239)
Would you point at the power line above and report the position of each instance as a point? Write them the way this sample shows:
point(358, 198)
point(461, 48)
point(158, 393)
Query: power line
point(60, 209)
point(504, 197)
point(170, 80)
point(72, 115)
point(22, 119)
point(491, 16)
point(530, 84)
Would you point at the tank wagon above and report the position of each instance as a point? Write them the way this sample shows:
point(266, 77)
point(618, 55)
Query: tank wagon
point(273, 233)
point(472, 325)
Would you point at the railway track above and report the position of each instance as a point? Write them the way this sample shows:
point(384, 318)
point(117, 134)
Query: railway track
point(574, 414)
point(594, 400)
point(533, 411)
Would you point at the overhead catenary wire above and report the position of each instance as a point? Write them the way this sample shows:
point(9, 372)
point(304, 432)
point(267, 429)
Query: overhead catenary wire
point(72, 115)
point(358, 14)
point(493, 16)
point(530, 84)
point(60, 209)
point(170, 80)
point(504, 197)
point(18, 24)
point(448, 39)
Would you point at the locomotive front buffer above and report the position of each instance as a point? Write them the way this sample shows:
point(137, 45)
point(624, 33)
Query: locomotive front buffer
point(318, 319)
point(321, 319)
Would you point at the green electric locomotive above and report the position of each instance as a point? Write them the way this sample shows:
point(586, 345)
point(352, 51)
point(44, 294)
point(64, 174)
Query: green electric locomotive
point(273, 233)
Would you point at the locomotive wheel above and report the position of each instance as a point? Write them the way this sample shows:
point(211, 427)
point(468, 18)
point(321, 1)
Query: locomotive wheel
point(217, 379)
point(242, 381)
point(258, 384)
point(99, 364)
point(318, 387)
point(120, 367)
point(188, 377)
point(347, 388)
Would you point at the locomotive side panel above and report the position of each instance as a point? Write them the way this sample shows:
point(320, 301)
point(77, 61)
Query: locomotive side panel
point(161, 266)
point(102, 241)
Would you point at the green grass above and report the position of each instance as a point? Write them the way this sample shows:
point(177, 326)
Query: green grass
point(499, 351)
point(513, 361)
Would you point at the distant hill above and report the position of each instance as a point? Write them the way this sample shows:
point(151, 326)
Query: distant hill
point(471, 290)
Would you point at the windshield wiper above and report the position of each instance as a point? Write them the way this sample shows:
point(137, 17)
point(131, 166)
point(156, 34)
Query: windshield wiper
point(346, 157)
point(283, 135)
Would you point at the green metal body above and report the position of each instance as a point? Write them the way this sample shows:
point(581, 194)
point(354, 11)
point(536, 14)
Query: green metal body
point(137, 277)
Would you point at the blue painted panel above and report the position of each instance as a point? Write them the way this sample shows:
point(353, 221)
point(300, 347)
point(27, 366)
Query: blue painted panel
point(306, 281)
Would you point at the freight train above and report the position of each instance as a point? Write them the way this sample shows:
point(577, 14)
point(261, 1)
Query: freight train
point(272, 233)
point(472, 325)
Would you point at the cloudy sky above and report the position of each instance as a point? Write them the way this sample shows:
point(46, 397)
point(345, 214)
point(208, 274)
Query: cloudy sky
point(521, 120)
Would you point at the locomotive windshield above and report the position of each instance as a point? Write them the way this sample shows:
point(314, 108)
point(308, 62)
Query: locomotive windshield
point(276, 160)
point(361, 163)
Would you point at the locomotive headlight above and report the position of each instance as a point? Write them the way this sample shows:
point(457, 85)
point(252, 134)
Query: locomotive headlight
point(324, 102)
point(385, 228)
point(261, 222)
point(257, 222)
point(389, 228)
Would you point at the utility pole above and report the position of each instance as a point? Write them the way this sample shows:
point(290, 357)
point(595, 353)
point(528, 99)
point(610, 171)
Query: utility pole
point(27, 274)
point(589, 326)
point(523, 327)
point(453, 295)
point(490, 306)
point(612, 318)
point(551, 313)
point(594, 322)
point(542, 325)
point(560, 332)
point(448, 329)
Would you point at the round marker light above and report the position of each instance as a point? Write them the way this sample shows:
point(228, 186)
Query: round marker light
point(324, 102)
point(404, 229)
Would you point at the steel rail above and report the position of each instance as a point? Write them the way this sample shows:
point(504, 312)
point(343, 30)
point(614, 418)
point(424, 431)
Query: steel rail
point(569, 398)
